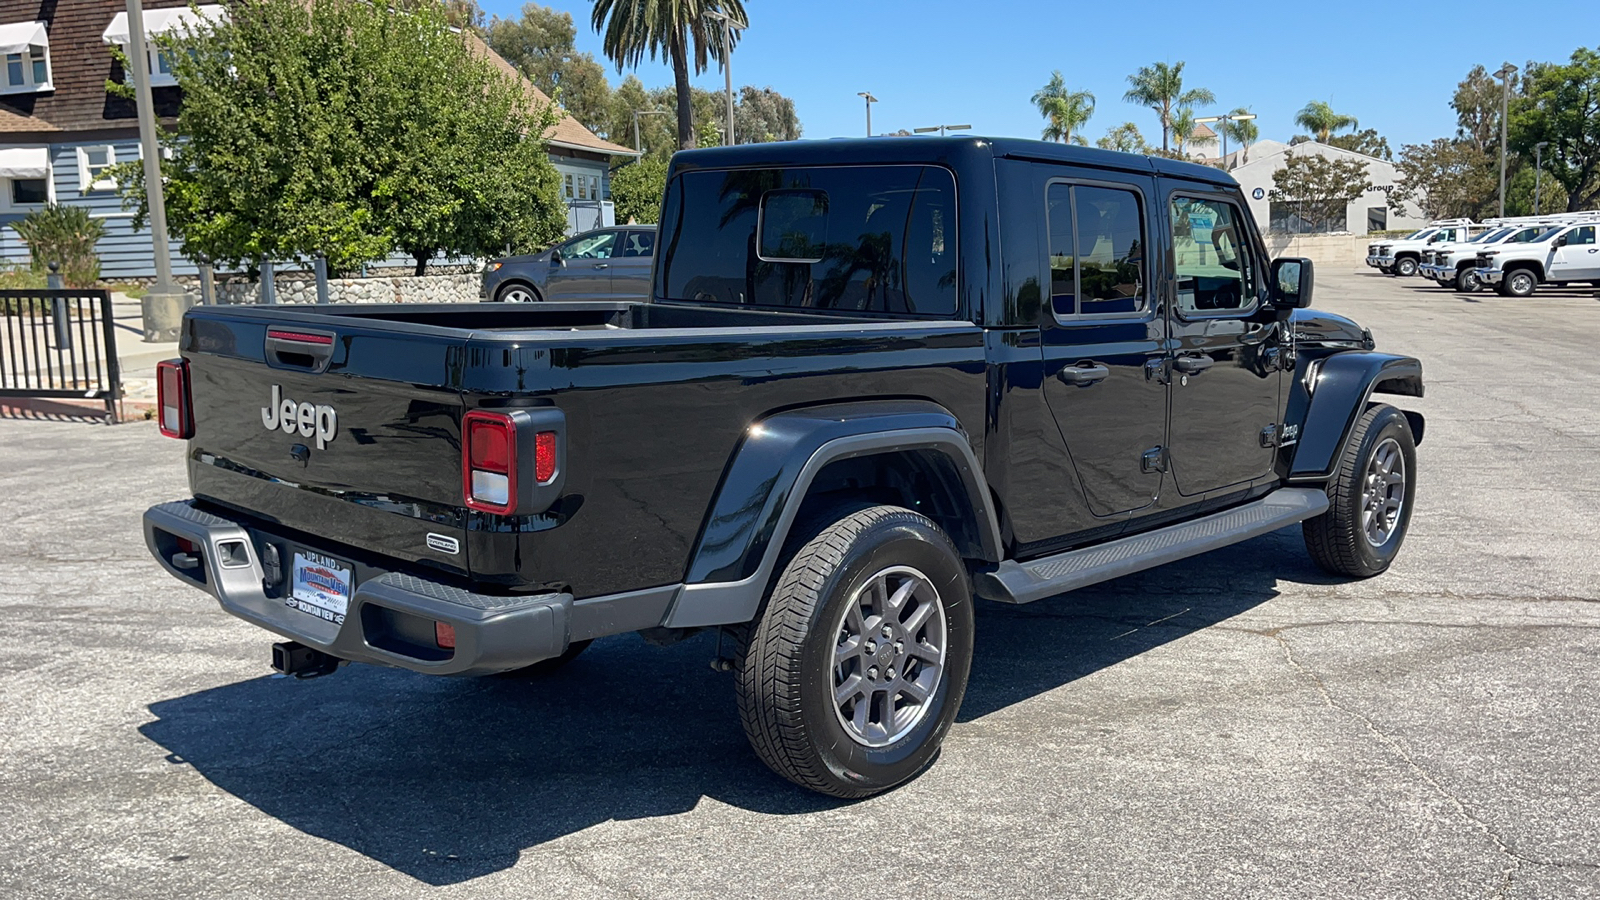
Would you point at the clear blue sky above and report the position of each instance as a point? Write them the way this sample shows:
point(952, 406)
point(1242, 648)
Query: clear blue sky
point(933, 62)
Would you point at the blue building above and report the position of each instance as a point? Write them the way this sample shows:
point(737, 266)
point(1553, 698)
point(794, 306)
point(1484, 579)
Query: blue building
point(60, 128)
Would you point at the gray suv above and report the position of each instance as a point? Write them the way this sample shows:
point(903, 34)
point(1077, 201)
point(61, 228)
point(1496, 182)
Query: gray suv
point(605, 264)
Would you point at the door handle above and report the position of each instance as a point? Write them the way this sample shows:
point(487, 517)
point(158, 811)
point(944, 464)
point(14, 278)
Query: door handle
point(1083, 376)
point(1193, 365)
point(602, 265)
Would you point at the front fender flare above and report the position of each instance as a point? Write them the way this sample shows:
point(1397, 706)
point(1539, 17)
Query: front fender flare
point(767, 480)
point(1333, 391)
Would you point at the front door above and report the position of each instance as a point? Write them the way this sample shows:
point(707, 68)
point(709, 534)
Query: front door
point(584, 270)
point(1579, 260)
point(1104, 341)
point(1226, 356)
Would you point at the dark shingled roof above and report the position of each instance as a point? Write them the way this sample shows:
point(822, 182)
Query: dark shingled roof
point(80, 65)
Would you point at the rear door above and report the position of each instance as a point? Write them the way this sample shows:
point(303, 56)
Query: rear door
point(1104, 337)
point(630, 265)
point(584, 272)
point(1225, 369)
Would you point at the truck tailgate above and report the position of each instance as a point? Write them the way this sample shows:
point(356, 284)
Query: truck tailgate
point(369, 455)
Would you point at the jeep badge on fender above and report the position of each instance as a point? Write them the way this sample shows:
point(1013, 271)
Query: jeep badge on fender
point(281, 412)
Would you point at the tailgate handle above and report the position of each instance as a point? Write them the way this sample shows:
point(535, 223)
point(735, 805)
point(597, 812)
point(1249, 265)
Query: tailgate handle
point(299, 348)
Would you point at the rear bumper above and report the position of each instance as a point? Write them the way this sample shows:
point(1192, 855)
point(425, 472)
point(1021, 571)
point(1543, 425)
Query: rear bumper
point(391, 616)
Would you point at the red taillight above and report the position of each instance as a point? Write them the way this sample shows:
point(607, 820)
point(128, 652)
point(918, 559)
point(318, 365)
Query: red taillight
point(444, 634)
point(172, 399)
point(299, 337)
point(544, 457)
point(489, 461)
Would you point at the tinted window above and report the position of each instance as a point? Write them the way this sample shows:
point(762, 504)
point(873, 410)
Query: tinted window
point(876, 239)
point(639, 243)
point(1211, 256)
point(1097, 253)
point(1584, 235)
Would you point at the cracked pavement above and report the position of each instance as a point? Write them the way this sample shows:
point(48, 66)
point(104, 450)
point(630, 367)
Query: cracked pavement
point(1237, 725)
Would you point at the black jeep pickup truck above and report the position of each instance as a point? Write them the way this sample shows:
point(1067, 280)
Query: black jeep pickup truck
point(874, 380)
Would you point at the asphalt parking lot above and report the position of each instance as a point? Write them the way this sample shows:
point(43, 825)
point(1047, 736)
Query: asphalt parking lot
point(1238, 725)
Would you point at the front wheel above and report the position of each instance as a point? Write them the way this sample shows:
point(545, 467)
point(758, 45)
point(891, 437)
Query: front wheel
point(1370, 499)
point(1518, 283)
point(1468, 282)
point(856, 668)
point(1405, 268)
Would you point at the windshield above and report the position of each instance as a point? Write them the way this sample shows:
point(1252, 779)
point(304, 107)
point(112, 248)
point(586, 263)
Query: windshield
point(1547, 234)
point(1489, 237)
point(1418, 235)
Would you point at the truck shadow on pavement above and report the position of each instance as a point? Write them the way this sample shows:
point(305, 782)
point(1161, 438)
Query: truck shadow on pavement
point(447, 780)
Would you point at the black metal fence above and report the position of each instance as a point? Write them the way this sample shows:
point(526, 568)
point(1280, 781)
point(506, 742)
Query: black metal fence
point(59, 344)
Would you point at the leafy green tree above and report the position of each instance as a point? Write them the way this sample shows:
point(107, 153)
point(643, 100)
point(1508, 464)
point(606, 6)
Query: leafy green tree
point(1319, 118)
point(1477, 105)
point(1446, 178)
point(1160, 87)
point(763, 115)
point(352, 129)
point(1561, 107)
point(1065, 111)
point(1366, 141)
point(1320, 187)
point(636, 190)
point(677, 30)
point(1124, 138)
point(1241, 133)
point(540, 43)
point(1183, 129)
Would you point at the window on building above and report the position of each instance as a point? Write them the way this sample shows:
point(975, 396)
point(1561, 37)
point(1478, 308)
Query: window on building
point(29, 191)
point(856, 239)
point(1377, 218)
point(594, 187)
point(1096, 250)
point(583, 188)
point(26, 72)
point(569, 187)
point(93, 161)
point(1296, 217)
point(1211, 256)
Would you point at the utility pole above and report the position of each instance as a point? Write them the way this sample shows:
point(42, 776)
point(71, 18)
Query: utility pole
point(637, 146)
point(163, 306)
point(1504, 74)
point(867, 95)
point(1538, 172)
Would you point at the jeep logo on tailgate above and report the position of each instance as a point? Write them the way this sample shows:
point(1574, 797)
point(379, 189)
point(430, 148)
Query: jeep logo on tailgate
point(282, 412)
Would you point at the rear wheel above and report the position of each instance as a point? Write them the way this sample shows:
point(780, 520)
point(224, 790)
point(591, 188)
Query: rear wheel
point(1370, 498)
point(856, 668)
point(1406, 267)
point(1518, 283)
point(517, 292)
point(1467, 281)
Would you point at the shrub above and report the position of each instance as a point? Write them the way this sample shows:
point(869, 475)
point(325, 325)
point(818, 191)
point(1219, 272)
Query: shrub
point(636, 190)
point(65, 235)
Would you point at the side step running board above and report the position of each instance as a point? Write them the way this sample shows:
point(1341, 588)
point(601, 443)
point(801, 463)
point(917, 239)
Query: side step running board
point(1025, 582)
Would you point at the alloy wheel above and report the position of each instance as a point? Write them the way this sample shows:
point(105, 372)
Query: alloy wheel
point(1383, 493)
point(889, 657)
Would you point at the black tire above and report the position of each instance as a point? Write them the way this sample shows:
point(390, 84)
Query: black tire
point(1467, 281)
point(1338, 539)
point(1387, 270)
point(1405, 267)
point(511, 292)
point(787, 668)
point(1519, 283)
point(549, 666)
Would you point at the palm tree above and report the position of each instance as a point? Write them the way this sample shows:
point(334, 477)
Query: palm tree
point(1320, 119)
point(1160, 87)
point(1066, 112)
point(1183, 126)
point(677, 30)
point(1244, 133)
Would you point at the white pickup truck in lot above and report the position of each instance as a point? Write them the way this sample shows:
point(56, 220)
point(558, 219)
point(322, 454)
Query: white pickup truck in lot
point(1561, 254)
point(1404, 256)
point(1456, 265)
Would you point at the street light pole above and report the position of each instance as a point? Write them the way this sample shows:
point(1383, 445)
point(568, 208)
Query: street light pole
point(1240, 117)
point(867, 96)
point(1504, 74)
point(1538, 172)
point(727, 67)
point(941, 129)
point(638, 148)
point(162, 307)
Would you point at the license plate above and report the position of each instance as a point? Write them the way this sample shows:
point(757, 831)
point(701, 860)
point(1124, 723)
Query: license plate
point(321, 587)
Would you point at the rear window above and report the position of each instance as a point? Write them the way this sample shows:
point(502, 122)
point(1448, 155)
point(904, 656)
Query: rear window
point(859, 239)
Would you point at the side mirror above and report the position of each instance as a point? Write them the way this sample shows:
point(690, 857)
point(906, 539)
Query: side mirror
point(1292, 279)
point(1561, 241)
point(556, 259)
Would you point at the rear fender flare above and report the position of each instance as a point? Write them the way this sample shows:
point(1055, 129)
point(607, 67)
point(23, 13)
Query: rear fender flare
point(1343, 383)
point(767, 482)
